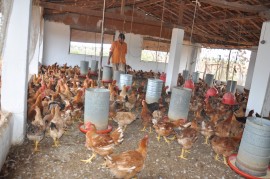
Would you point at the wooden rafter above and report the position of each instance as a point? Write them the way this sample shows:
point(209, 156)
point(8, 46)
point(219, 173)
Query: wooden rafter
point(236, 6)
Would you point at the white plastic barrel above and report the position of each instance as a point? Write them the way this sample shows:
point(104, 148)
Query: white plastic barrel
point(125, 79)
point(231, 86)
point(107, 73)
point(116, 76)
point(84, 67)
point(94, 65)
point(195, 77)
point(185, 74)
point(209, 78)
point(154, 89)
point(179, 104)
point(96, 107)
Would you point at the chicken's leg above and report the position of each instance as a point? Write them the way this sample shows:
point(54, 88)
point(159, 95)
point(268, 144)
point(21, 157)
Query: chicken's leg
point(144, 129)
point(36, 147)
point(171, 138)
point(158, 137)
point(125, 126)
point(166, 140)
point(217, 157)
point(225, 160)
point(206, 141)
point(56, 143)
point(90, 159)
point(150, 130)
point(182, 154)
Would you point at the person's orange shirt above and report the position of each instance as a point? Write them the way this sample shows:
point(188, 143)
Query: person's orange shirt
point(119, 52)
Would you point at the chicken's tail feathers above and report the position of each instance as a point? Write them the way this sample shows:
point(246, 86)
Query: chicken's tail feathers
point(118, 135)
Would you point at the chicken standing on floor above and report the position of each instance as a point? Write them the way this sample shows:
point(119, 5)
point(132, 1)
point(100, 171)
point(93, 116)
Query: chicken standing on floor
point(102, 144)
point(225, 146)
point(187, 138)
point(146, 117)
point(57, 127)
point(124, 118)
point(36, 129)
point(165, 127)
point(128, 164)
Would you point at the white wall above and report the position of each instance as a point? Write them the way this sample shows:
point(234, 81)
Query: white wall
point(56, 49)
point(56, 45)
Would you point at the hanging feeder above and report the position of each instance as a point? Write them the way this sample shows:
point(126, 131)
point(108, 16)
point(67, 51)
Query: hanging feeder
point(229, 99)
point(211, 92)
point(163, 77)
point(189, 84)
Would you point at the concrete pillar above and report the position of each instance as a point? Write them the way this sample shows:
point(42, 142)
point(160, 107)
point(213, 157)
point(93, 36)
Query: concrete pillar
point(196, 51)
point(174, 58)
point(258, 91)
point(251, 68)
point(15, 68)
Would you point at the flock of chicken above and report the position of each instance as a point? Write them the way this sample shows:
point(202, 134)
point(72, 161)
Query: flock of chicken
point(56, 100)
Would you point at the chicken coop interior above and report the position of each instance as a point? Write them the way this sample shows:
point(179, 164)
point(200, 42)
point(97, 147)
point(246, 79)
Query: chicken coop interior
point(189, 99)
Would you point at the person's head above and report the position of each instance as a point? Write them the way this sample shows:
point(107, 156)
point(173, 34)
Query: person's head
point(121, 37)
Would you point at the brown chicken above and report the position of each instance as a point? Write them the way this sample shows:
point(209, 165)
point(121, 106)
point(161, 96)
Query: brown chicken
point(165, 127)
point(146, 117)
point(187, 138)
point(36, 130)
point(77, 101)
point(222, 129)
point(208, 127)
point(124, 118)
point(31, 111)
point(128, 164)
point(57, 126)
point(102, 144)
point(130, 101)
point(225, 146)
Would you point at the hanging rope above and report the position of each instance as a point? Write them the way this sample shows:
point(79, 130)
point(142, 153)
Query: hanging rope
point(101, 50)
point(160, 32)
point(192, 27)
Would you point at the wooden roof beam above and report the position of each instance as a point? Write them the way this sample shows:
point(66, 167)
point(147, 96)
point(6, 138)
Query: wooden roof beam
point(92, 22)
point(108, 15)
point(236, 6)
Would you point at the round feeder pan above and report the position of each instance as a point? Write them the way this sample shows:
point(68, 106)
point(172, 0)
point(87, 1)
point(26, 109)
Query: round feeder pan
point(107, 81)
point(83, 130)
point(93, 73)
point(82, 76)
point(231, 162)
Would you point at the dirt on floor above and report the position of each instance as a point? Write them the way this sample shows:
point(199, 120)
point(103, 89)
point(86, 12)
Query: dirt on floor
point(65, 161)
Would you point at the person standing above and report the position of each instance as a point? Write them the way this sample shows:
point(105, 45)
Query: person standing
point(118, 53)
